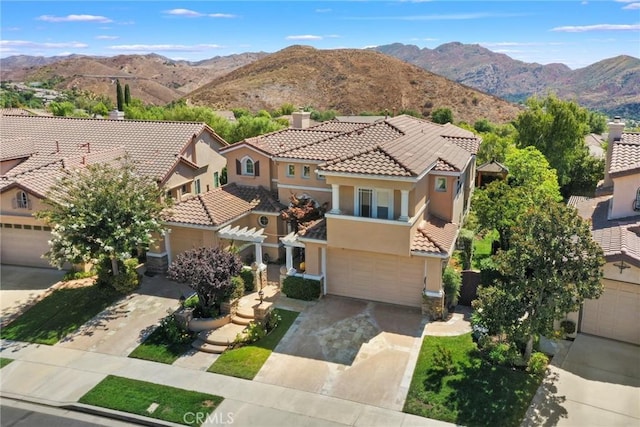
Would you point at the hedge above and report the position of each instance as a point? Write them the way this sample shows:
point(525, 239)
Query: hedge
point(301, 288)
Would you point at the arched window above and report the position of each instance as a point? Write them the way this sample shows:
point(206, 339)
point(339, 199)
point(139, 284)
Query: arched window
point(22, 201)
point(636, 206)
point(248, 166)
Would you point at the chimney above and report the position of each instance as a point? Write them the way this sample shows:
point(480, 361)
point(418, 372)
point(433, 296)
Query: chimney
point(301, 119)
point(615, 134)
point(116, 115)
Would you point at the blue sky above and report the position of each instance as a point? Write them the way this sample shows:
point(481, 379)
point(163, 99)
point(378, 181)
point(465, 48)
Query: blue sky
point(576, 33)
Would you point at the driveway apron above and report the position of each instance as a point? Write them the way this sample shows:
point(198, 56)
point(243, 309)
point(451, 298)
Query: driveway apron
point(350, 349)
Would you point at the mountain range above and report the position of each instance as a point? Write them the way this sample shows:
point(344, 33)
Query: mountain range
point(348, 80)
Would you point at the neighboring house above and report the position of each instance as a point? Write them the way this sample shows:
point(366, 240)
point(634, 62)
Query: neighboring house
point(615, 221)
point(397, 190)
point(35, 151)
point(593, 142)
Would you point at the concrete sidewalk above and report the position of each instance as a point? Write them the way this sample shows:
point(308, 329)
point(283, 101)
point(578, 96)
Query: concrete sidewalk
point(59, 376)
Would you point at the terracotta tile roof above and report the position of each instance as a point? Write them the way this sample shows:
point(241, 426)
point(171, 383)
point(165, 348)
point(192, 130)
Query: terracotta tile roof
point(17, 148)
point(37, 181)
point(471, 144)
point(14, 112)
point(492, 166)
point(435, 236)
point(341, 125)
point(367, 162)
point(223, 204)
point(620, 237)
point(154, 146)
point(625, 156)
point(287, 139)
point(345, 144)
point(443, 166)
point(316, 230)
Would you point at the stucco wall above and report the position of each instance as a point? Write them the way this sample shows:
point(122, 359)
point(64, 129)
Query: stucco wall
point(624, 195)
point(440, 203)
point(387, 237)
point(265, 167)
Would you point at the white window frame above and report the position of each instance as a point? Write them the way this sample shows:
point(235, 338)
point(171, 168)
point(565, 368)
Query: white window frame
point(263, 221)
point(22, 200)
point(306, 171)
point(374, 202)
point(244, 162)
point(437, 187)
point(291, 170)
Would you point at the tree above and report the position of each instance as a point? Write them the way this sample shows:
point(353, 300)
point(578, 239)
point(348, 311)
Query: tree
point(301, 210)
point(557, 128)
point(62, 109)
point(551, 267)
point(127, 94)
point(100, 109)
point(102, 211)
point(442, 115)
point(494, 147)
point(208, 271)
point(119, 96)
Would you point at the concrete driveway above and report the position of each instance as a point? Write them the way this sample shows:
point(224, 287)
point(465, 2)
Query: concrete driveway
point(350, 349)
point(22, 286)
point(120, 328)
point(595, 383)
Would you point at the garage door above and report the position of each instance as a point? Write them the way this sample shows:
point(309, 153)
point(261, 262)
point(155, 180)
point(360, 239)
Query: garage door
point(24, 247)
point(376, 277)
point(616, 314)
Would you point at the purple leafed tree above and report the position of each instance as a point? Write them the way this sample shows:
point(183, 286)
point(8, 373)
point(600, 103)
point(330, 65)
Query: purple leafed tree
point(208, 271)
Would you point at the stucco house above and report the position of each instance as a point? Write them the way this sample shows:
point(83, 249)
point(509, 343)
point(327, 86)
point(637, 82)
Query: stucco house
point(35, 151)
point(615, 222)
point(396, 191)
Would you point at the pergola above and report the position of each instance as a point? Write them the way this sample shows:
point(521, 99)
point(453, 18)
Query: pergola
point(245, 234)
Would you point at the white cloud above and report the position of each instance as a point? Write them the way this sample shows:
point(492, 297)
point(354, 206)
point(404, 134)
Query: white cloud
point(445, 17)
point(37, 45)
point(107, 37)
point(425, 39)
point(304, 37)
point(632, 6)
point(74, 18)
point(323, 10)
point(188, 13)
point(598, 27)
point(164, 47)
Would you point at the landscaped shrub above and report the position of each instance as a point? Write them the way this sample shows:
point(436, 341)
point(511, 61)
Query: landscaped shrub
point(301, 288)
point(451, 282)
point(568, 326)
point(247, 277)
point(77, 275)
point(442, 360)
point(488, 272)
point(236, 290)
point(538, 363)
point(126, 281)
point(465, 244)
point(502, 353)
point(172, 332)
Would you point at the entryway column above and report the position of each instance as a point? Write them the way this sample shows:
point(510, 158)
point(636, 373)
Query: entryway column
point(323, 260)
point(289, 261)
point(167, 244)
point(258, 247)
point(335, 199)
point(404, 205)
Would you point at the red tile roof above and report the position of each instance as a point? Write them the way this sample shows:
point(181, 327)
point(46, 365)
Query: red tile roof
point(625, 156)
point(435, 236)
point(223, 204)
point(620, 237)
point(154, 146)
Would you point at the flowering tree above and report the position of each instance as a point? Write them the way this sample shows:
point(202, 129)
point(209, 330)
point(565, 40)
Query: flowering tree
point(102, 211)
point(208, 271)
point(301, 210)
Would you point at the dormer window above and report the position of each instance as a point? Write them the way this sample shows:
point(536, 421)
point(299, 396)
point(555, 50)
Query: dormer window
point(247, 167)
point(22, 200)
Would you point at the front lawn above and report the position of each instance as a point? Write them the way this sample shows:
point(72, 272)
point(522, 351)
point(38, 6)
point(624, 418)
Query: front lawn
point(158, 347)
point(137, 397)
point(4, 362)
point(60, 313)
point(246, 361)
point(473, 392)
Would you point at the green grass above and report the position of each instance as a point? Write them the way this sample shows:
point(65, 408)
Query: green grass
point(482, 248)
point(158, 349)
point(4, 362)
point(245, 362)
point(60, 313)
point(135, 397)
point(475, 393)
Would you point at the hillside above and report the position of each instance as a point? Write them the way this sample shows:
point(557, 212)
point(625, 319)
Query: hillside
point(152, 78)
point(348, 80)
point(610, 86)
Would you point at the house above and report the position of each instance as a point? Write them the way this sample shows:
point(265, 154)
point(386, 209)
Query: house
point(615, 223)
point(37, 150)
point(397, 191)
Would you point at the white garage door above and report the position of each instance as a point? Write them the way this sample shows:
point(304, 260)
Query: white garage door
point(24, 247)
point(376, 277)
point(616, 314)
